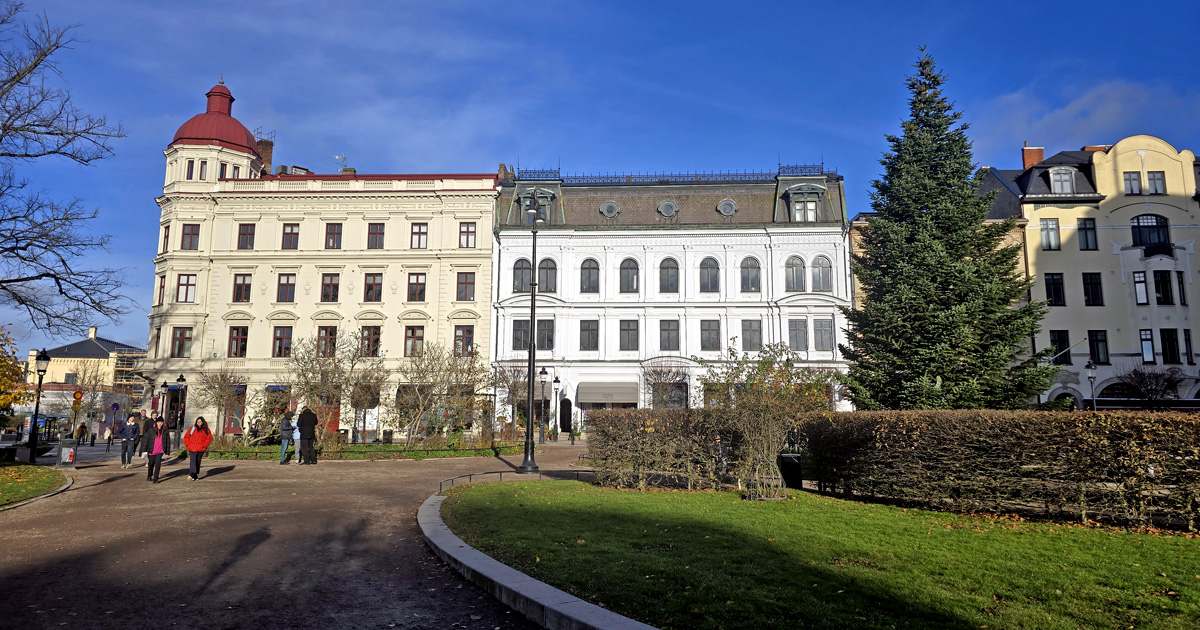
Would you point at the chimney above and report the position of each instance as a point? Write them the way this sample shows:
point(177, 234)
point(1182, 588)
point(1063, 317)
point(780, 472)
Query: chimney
point(91, 332)
point(349, 170)
point(1093, 148)
point(266, 149)
point(1032, 155)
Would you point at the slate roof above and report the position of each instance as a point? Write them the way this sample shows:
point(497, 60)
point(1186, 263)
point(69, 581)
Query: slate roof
point(1035, 180)
point(1007, 202)
point(92, 348)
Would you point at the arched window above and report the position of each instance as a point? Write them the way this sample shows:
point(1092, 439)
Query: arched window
point(793, 274)
point(547, 276)
point(629, 276)
point(668, 276)
point(750, 275)
point(821, 278)
point(1151, 232)
point(589, 277)
point(522, 276)
point(710, 276)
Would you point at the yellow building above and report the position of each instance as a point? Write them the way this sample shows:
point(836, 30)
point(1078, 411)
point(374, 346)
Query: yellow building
point(1109, 235)
point(102, 369)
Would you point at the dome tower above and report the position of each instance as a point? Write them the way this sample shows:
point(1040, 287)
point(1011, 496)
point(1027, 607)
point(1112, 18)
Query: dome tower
point(210, 147)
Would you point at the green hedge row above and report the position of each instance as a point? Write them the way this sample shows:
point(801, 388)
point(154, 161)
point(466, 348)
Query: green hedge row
point(1132, 467)
point(644, 447)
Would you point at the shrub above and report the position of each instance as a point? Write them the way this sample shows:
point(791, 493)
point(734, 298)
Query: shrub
point(641, 447)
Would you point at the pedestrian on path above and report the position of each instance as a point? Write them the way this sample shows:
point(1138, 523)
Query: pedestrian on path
point(156, 444)
point(196, 441)
point(129, 434)
point(108, 437)
point(147, 428)
point(81, 433)
point(296, 444)
point(286, 428)
point(307, 423)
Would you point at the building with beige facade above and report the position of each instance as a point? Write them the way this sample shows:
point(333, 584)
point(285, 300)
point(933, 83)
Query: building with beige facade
point(1110, 232)
point(250, 261)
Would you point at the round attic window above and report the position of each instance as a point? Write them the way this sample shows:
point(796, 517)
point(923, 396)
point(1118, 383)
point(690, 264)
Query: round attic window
point(668, 208)
point(727, 207)
point(609, 209)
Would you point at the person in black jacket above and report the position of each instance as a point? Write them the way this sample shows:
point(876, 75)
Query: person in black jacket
point(285, 435)
point(130, 435)
point(307, 423)
point(157, 444)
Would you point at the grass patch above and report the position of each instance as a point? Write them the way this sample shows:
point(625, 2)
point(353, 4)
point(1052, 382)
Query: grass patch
point(712, 560)
point(23, 481)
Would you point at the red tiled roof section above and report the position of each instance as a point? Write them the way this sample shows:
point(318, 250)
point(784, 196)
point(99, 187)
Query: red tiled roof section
point(217, 126)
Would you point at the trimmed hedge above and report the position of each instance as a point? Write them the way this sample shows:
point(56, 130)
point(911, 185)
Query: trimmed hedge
point(1129, 467)
point(642, 447)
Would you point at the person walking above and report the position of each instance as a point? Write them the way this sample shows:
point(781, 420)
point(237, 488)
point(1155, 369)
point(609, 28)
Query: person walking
point(129, 434)
point(81, 433)
point(196, 441)
point(147, 427)
point(108, 437)
point(156, 443)
point(296, 443)
point(307, 423)
point(286, 428)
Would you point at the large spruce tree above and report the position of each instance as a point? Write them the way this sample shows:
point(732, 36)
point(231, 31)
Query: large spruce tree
point(945, 319)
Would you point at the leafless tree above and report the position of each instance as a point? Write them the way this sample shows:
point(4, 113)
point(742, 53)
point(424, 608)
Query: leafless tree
point(324, 373)
point(224, 390)
point(508, 380)
point(665, 382)
point(1153, 384)
point(43, 243)
point(439, 391)
point(93, 380)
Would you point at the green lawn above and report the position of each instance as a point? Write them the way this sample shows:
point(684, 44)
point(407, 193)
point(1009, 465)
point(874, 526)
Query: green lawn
point(22, 481)
point(712, 560)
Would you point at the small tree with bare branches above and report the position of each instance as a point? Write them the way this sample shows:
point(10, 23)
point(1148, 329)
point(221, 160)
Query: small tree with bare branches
point(226, 391)
point(327, 372)
point(508, 380)
point(440, 392)
point(665, 382)
point(1153, 384)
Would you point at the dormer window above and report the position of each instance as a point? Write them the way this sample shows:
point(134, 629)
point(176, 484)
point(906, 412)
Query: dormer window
point(803, 201)
point(1062, 181)
point(545, 200)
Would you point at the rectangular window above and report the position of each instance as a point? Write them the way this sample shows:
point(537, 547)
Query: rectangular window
point(545, 334)
point(1156, 183)
point(1139, 287)
point(239, 336)
point(222, 171)
point(520, 334)
point(798, 334)
point(190, 239)
point(372, 341)
point(1062, 183)
point(185, 288)
point(157, 340)
point(751, 335)
point(286, 291)
point(181, 343)
point(191, 169)
point(246, 236)
point(1187, 346)
point(710, 335)
point(166, 238)
point(629, 334)
point(1093, 295)
point(1182, 288)
point(281, 342)
point(416, 287)
point(1087, 234)
point(589, 335)
point(1133, 183)
point(326, 341)
point(372, 287)
point(1055, 294)
point(1147, 337)
point(333, 236)
point(162, 289)
point(1162, 288)
point(823, 334)
point(1170, 344)
point(464, 340)
point(466, 287)
point(414, 340)
point(374, 236)
point(466, 235)
point(237, 172)
point(1098, 346)
point(668, 335)
point(203, 170)
point(291, 236)
point(241, 287)
point(329, 286)
point(420, 236)
point(1050, 234)
point(1060, 340)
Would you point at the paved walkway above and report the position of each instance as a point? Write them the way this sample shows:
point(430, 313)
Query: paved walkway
point(250, 545)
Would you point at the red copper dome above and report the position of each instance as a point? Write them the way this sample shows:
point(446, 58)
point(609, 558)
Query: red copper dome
point(216, 126)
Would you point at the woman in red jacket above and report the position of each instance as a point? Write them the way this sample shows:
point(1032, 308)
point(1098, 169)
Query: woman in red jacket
point(196, 441)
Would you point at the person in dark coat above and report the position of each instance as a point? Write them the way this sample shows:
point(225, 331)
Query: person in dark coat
point(130, 435)
point(157, 443)
point(147, 429)
point(307, 423)
point(285, 436)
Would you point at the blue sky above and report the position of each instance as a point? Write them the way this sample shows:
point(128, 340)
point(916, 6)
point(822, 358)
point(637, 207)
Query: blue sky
point(606, 86)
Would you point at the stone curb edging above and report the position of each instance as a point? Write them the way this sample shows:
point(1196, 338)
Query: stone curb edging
point(541, 603)
point(70, 480)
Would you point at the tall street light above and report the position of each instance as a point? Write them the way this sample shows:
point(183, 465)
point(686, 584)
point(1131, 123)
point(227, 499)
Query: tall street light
point(533, 210)
point(542, 420)
point(42, 362)
point(554, 409)
point(1090, 368)
point(182, 398)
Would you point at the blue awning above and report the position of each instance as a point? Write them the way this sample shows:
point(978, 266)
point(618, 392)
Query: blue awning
point(277, 388)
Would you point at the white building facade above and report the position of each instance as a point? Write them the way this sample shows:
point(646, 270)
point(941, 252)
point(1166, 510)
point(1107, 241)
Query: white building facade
point(637, 273)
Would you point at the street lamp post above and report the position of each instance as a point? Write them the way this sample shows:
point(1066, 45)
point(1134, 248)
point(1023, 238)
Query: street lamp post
point(533, 211)
point(179, 418)
point(1090, 368)
point(554, 409)
point(541, 405)
point(42, 361)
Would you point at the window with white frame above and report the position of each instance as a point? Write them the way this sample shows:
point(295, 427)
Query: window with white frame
point(1050, 240)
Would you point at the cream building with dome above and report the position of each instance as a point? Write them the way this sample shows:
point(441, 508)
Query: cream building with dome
point(249, 261)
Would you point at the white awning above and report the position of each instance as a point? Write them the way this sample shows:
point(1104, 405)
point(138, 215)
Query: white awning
point(607, 393)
